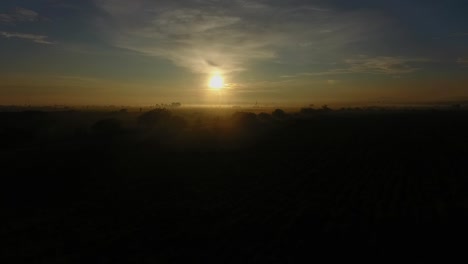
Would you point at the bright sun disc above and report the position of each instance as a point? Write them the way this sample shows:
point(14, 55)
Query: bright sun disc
point(216, 82)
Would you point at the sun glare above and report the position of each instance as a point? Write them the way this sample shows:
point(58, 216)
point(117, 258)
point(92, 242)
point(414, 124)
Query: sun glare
point(216, 82)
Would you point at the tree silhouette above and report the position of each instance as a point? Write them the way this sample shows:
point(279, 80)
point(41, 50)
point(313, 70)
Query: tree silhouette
point(154, 117)
point(279, 114)
point(264, 117)
point(325, 108)
point(245, 119)
point(108, 126)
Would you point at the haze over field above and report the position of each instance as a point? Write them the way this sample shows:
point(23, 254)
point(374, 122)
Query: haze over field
point(231, 52)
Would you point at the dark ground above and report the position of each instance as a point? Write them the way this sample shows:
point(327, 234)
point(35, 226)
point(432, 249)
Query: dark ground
point(195, 187)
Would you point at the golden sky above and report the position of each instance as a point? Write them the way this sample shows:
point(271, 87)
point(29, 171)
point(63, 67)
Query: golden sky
point(296, 52)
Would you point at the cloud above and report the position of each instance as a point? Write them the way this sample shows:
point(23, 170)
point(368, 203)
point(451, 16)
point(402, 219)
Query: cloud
point(460, 34)
point(371, 65)
point(32, 37)
point(463, 61)
point(210, 35)
point(19, 15)
point(454, 36)
point(383, 65)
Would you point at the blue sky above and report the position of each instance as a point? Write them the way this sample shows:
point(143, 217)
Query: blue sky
point(296, 52)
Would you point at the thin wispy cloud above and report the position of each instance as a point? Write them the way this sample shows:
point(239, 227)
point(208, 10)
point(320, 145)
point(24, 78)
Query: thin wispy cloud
point(19, 14)
point(383, 65)
point(463, 61)
point(171, 48)
point(458, 35)
point(205, 36)
point(40, 39)
point(371, 65)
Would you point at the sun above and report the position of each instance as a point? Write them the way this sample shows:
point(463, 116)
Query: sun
point(216, 81)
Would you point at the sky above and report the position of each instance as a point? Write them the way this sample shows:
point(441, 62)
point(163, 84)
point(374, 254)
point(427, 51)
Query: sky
point(142, 52)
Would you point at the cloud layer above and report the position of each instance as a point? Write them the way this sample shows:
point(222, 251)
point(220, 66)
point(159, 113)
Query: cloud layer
point(31, 37)
point(211, 35)
point(22, 15)
point(463, 61)
point(383, 65)
point(19, 15)
point(371, 65)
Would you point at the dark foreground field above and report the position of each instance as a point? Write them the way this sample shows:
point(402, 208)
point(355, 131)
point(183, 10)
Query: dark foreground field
point(198, 186)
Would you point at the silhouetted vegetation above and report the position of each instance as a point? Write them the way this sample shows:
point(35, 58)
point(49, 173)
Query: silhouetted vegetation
point(264, 116)
point(198, 185)
point(244, 119)
point(108, 126)
point(279, 114)
point(154, 118)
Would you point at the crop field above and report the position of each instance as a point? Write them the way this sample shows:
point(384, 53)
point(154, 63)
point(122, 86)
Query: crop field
point(199, 185)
